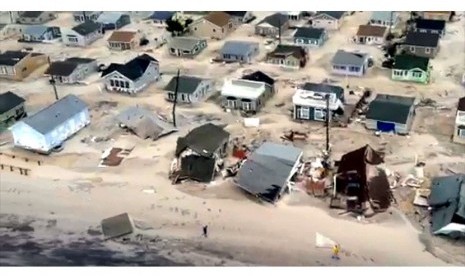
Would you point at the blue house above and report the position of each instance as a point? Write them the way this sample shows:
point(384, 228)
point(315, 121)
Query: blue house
point(241, 51)
point(310, 37)
point(51, 126)
point(113, 20)
point(40, 33)
point(160, 17)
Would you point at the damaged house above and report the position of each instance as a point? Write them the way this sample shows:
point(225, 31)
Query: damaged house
point(199, 154)
point(447, 203)
point(144, 123)
point(360, 181)
point(268, 172)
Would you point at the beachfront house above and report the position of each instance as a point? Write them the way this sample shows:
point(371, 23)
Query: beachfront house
point(350, 63)
point(186, 46)
point(411, 68)
point(459, 125)
point(431, 26)
point(240, 17)
point(113, 20)
point(83, 16)
point(17, 65)
point(371, 35)
point(82, 35)
point(52, 126)
point(190, 89)
point(310, 37)
point(35, 17)
point(240, 51)
point(390, 113)
point(40, 33)
point(159, 18)
point(421, 44)
point(272, 25)
point(384, 18)
point(71, 70)
point(11, 108)
point(288, 56)
point(329, 20)
point(437, 15)
point(246, 95)
point(215, 25)
point(123, 40)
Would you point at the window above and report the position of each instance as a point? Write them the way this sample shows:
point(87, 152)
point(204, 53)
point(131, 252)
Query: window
point(398, 73)
point(112, 83)
point(417, 74)
point(422, 31)
point(171, 96)
point(183, 97)
point(195, 29)
point(72, 38)
point(461, 131)
point(427, 50)
point(214, 30)
point(3, 70)
point(299, 41)
point(412, 49)
point(230, 103)
point(320, 114)
point(304, 113)
point(354, 69)
point(126, 84)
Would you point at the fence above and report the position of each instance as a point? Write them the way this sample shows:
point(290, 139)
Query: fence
point(22, 171)
point(12, 156)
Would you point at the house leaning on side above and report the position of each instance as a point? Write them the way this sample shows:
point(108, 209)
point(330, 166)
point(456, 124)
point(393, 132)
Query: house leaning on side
point(123, 40)
point(17, 65)
point(190, 89)
point(329, 20)
point(113, 20)
point(51, 126)
point(350, 63)
point(239, 51)
point(310, 37)
point(71, 70)
point(11, 109)
point(133, 76)
point(186, 46)
point(82, 35)
point(411, 68)
point(459, 126)
point(288, 56)
point(310, 104)
point(421, 44)
point(269, 171)
point(384, 18)
point(272, 25)
point(215, 25)
point(371, 35)
point(40, 33)
point(199, 154)
point(390, 113)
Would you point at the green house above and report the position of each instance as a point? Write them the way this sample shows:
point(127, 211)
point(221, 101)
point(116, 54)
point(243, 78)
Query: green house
point(411, 68)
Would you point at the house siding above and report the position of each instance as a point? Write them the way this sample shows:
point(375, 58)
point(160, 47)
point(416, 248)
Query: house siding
point(200, 46)
point(270, 31)
point(122, 46)
point(420, 51)
point(290, 62)
point(207, 29)
point(242, 58)
point(326, 23)
point(369, 40)
point(407, 75)
point(201, 93)
point(310, 42)
point(255, 104)
point(82, 41)
point(81, 72)
point(347, 72)
point(152, 74)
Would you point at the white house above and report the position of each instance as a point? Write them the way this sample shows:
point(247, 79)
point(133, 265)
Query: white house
point(189, 89)
point(82, 34)
point(50, 127)
point(459, 129)
point(329, 20)
point(247, 95)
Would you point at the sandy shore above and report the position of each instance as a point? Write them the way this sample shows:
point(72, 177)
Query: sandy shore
point(241, 231)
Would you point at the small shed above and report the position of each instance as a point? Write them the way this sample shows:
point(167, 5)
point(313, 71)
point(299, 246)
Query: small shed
point(117, 226)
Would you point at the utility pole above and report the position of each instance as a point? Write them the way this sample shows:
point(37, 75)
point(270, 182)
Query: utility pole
point(175, 98)
point(84, 15)
point(11, 17)
point(390, 23)
point(52, 81)
point(279, 30)
point(328, 114)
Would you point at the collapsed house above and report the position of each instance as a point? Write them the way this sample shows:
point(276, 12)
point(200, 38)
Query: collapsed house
point(360, 180)
point(447, 203)
point(268, 172)
point(199, 154)
point(144, 123)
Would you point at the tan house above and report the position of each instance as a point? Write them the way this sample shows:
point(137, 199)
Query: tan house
point(370, 34)
point(17, 65)
point(123, 40)
point(215, 25)
point(459, 126)
point(437, 15)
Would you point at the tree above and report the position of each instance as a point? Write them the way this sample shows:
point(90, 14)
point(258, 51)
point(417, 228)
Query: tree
point(177, 27)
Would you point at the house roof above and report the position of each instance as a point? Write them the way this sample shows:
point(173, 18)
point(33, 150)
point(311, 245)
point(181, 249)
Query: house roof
point(390, 108)
point(87, 27)
point(218, 18)
point(161, 15)
point(244, 89)
point(36, 30)
point(117, 226)
point(349, 58)
point(55, 114)
point(266, 171)
point(80, 60)
point(185, 43)
point(322, 87)
point(371, 30)
point(61, 68)
point(430, 24)
point(447, 199)
point(187, 84)
point(88, 13)
point(384, 16)
point(408, 62)
point(122, 36)
point(10, 58)
point(422, 39)
point(275, 20)
point(9, 100)
point(306, 32)
point(461, 104)
point(109, 17)
point(145, 123)
point(240, 48)
point(333, 14)
point(260, 77)
point(203, 140)
point(236, 13)
point(133, 69)
point(31, 14)
point(284, 51)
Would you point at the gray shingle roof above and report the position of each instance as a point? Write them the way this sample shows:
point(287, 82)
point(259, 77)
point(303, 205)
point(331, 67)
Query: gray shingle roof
point(55, 114)
point(305, 32)
point(240, 48)
point(322, 87)
point(109, 17)
point(185, 43)
point(145, 123)
point(187, 84)
point(390, 108)
point(36, 30)
point(10, 58)
point(275, 20)
point(87, 27)
point(422, 39)
point(334, 14)
point(349, 58)
point(9, 100)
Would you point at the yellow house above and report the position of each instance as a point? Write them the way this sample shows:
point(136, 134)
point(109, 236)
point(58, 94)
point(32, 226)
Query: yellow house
point(17, 65)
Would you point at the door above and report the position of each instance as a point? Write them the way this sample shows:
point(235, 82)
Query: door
point(385, 126)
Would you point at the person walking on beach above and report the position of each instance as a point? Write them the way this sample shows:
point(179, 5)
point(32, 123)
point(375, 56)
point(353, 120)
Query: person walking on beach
point(205, 231)
point(336, 249)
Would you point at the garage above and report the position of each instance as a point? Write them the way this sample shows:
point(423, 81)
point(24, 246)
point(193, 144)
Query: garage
point(385, 126)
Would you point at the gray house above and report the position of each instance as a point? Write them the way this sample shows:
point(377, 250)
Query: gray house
point(83, 16)
point(310, 37)
point(244, 94)
point(133, 76)
point(384, 18)
point(40, 33)
point(35, 17)
point(186, 46)
point(390, 113)
point(431, 26)
point(11, 108)
point(421, 44)
point(82, 35)
point(190, 89)
point(113, 20)
point(242, 51)
point(350, 63)
point(272, 25)
point(71, 70)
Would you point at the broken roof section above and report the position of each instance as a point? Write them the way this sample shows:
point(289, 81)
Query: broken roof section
point(144, 123)
point(204, 140)
point(117, 226)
